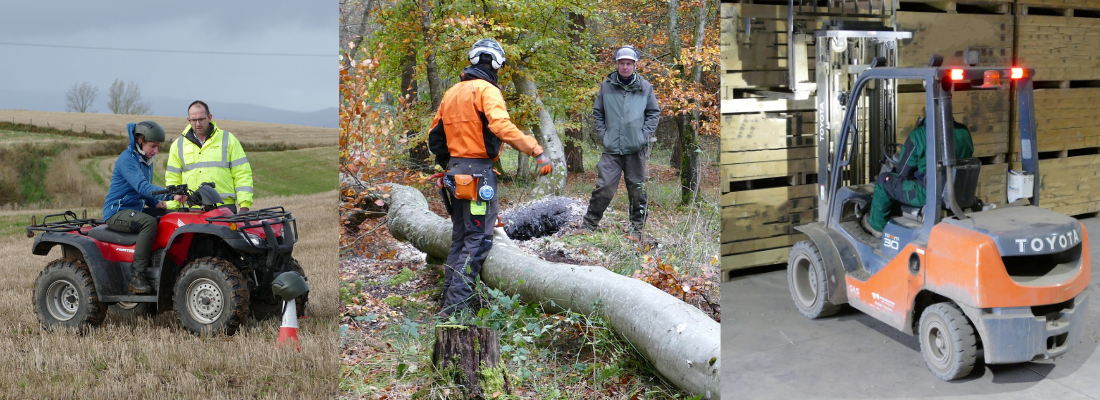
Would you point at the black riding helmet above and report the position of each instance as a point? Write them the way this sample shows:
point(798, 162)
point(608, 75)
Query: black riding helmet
point(150, 130)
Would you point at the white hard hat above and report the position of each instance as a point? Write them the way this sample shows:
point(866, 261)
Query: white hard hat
point(627, 52)
point(490, 47)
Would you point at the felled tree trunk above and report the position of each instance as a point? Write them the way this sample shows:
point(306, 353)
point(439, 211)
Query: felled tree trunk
point(470, 356)
point(680, 340)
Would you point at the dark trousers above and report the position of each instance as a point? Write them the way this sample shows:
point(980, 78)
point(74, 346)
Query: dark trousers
point(141, 223)
point(892, 187)
point(471, 238)
point(632, 167)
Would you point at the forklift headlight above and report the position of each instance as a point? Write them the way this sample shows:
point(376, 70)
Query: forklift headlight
point(254, 239)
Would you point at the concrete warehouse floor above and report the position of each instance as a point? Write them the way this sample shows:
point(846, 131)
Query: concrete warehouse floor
point(769, 350)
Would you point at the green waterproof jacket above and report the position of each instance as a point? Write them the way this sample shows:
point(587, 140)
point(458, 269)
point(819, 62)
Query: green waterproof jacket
point(913, 162)
point(626, 114)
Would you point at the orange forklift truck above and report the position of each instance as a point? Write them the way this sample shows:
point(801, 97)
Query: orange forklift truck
point(1007, 282)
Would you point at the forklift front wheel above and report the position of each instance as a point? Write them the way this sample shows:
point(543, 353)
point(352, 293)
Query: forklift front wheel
point(947, 341)
point(808, 280)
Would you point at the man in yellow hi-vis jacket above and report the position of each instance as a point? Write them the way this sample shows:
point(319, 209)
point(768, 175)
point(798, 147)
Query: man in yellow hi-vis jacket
point(205, 153)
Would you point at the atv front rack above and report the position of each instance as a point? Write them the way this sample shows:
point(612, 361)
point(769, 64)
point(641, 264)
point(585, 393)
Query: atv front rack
point(262, 218)
point(69, 222)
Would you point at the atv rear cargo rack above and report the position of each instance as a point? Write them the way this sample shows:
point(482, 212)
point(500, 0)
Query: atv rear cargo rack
point(262, 218)
point(69, 222)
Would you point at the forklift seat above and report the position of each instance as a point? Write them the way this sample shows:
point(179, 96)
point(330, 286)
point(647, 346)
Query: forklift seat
point(967, 171)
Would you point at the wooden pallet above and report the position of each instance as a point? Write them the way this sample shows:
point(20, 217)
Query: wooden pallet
point(1066, 119)
point(758, 225)
point(968, 6)
point(1065, 8)
point(1059, 48)
point(1069, 185)
point(767, 131)
point(949, 35)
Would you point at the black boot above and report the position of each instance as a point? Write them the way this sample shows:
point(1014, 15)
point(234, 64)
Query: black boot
point(138, 284)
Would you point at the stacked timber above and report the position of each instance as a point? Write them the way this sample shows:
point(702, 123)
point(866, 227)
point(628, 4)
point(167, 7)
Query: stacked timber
point(1061, 40)
point(769, 163)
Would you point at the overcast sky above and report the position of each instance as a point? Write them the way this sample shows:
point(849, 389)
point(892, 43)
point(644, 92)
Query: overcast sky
point(295, 83)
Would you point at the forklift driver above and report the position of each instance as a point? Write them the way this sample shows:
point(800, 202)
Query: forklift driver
point(906, 182)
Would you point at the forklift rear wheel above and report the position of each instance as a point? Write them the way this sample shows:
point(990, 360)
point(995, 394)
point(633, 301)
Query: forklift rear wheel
point(65, 297)
point(808, 280)
point(947, 341)
point(211, 296)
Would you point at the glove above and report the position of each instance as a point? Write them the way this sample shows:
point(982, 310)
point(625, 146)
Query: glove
point(243, 210)
point(544, 164)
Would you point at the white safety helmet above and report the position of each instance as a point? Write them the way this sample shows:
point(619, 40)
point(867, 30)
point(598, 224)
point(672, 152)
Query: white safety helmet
point(490, 47)
point(627, 52)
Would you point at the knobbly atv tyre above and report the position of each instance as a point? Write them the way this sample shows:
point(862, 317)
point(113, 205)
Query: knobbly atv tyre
point(270, 306)
point(947, 341)
point(807, 281)
point(65, 297)
point(210, 296)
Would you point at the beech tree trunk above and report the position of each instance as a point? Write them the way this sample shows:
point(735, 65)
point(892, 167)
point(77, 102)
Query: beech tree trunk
point(470, 356)
point(553, 184)
point(680, 340)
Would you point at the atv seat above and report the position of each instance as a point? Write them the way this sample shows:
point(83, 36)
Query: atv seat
point(967, 171)
point(105, 234)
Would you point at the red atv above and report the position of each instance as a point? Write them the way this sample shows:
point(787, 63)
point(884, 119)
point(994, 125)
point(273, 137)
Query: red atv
point(212, 265)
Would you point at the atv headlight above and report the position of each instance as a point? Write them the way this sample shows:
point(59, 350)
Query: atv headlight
point(256, 240)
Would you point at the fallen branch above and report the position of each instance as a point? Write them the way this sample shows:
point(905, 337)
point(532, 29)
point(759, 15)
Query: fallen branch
point(680, 340)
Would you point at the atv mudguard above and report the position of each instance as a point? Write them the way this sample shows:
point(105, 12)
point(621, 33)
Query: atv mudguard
point(837, 255)
point(111, 284)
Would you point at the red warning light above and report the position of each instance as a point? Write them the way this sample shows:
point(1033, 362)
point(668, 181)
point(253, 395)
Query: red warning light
point(1017, 73)
point(956, 74)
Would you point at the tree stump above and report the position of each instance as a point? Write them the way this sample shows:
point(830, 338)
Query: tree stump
point(470, 357)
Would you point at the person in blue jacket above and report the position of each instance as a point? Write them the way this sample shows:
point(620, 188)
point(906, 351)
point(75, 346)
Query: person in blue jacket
point(130, 205)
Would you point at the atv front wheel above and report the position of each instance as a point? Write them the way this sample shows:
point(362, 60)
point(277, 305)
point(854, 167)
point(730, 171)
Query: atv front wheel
point(65, 297)
point(808, 281)
point(947, 341)
point(269, 306)
point(211, 296)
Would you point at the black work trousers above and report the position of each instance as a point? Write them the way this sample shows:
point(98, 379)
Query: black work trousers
point(632, 167)
point(472, 225)
point(143, 224)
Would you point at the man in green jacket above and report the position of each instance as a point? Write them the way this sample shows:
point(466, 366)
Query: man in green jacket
point(907, 184)
point(626, 114)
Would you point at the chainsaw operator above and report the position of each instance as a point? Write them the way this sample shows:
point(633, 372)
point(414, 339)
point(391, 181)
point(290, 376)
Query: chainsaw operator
point(130, 206)
point(206, 153)
point(467, 134)
point(906, 182)
point(626, 114)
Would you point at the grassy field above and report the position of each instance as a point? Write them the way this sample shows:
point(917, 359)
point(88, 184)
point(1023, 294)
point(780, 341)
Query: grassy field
point(155, 357)
point(116, 124)
point(389, 298)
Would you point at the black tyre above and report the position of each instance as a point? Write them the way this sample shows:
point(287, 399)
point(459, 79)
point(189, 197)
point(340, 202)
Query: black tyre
point(947, 341)
point(807, 280)
point(269, 306)
point(65, 297)
point(210, 297)
point(125, 309)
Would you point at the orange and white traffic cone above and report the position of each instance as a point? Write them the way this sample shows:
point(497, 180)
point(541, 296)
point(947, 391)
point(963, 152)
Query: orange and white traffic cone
point(288, 332)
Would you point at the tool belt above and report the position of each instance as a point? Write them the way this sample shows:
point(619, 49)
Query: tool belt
point(472, 179)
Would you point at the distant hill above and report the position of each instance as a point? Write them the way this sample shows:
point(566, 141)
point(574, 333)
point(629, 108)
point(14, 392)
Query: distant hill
point(169, 106)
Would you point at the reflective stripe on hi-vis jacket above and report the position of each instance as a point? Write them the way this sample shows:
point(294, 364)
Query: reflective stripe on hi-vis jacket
point(220, 160)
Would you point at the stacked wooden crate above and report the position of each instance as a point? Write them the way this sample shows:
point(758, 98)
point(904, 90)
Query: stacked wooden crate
point(769, 162)
point(1061, 40)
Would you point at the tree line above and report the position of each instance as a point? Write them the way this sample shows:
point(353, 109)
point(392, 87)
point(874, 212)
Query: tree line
point(122, 98)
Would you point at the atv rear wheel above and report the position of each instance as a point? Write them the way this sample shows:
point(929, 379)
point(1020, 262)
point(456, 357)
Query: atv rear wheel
point(947, 341)
point(808, 281)
point(269, 306)
point(65, 297)
point(210, 296)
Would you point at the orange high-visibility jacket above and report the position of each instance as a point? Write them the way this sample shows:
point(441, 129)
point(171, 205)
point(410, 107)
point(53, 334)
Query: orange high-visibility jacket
point(472, 122)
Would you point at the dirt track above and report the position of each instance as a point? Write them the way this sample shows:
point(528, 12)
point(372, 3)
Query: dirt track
point(259, 132)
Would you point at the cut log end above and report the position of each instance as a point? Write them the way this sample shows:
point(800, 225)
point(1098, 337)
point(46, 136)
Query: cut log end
point(470, 357)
